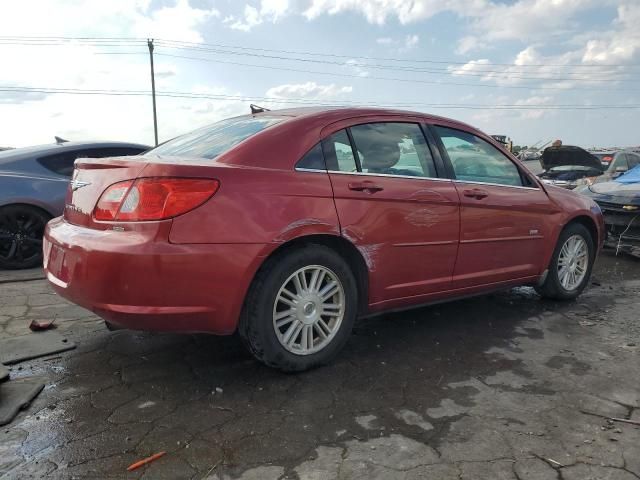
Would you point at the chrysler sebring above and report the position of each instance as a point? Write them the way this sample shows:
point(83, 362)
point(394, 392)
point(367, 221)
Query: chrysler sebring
point(287, 225)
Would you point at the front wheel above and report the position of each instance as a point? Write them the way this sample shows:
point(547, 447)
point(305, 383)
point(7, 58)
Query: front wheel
point(571, 264)
point(300, 309)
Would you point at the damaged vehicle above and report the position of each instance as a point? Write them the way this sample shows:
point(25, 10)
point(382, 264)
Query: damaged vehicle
point(570, 167)
point(619, 201)
point(284, 226)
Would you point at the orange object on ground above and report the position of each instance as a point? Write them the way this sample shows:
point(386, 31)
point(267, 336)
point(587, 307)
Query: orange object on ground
point(144, 461)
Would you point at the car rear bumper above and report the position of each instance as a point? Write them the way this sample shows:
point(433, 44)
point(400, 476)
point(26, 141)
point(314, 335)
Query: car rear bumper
point(136, 279)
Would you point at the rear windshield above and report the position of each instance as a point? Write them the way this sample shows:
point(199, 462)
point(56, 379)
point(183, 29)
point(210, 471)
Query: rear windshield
point(213, 140)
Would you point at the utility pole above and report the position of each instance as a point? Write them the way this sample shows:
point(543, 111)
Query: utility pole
point(153, 90)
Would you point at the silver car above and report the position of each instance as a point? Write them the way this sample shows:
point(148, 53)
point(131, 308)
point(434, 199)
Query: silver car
point(33, 186)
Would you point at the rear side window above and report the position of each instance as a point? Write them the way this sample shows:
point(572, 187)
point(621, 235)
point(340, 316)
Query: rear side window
point(475, 160)
point(313, 159)
point(634, 160)
point(60, 163)
point(393, 149)
point(213, 140)
point(338, 153)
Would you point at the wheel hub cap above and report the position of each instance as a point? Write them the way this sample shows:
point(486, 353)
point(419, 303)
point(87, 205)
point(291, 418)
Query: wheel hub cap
point(308, 310)
point(573, 262)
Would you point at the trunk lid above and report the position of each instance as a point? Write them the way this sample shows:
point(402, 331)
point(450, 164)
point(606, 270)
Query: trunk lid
point(90, 178)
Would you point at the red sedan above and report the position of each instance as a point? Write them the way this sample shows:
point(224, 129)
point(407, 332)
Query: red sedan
point(287, 225)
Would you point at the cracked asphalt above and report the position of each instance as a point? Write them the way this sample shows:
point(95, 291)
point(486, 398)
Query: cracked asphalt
point(505, 386)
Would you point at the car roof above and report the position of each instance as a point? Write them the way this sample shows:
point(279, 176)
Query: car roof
point(336, 113)
point(26, 152)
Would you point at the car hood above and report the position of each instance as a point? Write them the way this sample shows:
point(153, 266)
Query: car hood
point(616, 192)
point(568, 155)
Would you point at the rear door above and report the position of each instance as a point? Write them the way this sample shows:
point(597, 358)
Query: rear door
point(502, 215)
point(393, 206)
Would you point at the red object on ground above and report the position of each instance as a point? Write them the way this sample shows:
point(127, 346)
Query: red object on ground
point(172, 242)
point(145, 461)
point(37, 325)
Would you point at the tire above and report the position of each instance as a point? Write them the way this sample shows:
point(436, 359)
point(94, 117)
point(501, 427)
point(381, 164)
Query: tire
point(553, 286)
point(269, 314)
point(21, 231)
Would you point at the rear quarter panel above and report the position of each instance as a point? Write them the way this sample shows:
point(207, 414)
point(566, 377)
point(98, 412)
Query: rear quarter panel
point(47, 193)
point(254, 205)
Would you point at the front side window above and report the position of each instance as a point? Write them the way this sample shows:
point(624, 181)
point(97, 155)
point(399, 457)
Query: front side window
point(393, 149)
point(213, 140)
point(475, 160)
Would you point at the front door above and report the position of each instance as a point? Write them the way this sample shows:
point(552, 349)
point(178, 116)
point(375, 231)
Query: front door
point(392, 205)
point(501, 216)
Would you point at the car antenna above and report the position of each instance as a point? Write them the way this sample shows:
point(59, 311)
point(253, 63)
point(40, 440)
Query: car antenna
point(60, 140)
point(256, 109)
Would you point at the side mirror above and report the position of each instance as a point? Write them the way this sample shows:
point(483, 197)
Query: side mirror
point(621, 170)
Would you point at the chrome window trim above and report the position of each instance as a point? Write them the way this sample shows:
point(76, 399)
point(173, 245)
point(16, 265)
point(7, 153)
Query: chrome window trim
point(338, 172)
point(311, 170)
point(496, 184)
point(389, 175)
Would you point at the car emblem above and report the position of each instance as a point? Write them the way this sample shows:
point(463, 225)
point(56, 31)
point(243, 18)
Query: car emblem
point(630, 207)
point(76, 184)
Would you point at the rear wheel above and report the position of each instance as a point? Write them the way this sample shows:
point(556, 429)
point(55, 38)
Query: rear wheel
point(571, 264)
point(21, 231)
point(300, 309)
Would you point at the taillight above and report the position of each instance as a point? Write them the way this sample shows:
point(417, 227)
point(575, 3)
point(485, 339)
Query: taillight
point(607, 159)
point(155, 198)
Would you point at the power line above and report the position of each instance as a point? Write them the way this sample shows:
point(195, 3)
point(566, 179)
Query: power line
point(447, 71)
point(485, 74)
point(393, 79)
point(306, 101)
point(43, 39)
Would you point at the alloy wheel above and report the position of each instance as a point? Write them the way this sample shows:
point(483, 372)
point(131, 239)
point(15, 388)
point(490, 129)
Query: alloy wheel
point(308, 310)
point(573, 262)
point(20, 235)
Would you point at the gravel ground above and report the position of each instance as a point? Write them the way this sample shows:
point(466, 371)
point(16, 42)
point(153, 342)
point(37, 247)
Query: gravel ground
point(494, 387)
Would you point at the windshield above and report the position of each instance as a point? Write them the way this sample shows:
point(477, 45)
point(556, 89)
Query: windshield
point(213, 140)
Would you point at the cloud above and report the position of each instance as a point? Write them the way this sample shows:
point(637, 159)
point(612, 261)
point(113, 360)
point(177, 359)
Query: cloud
point(308, 90)
point(523, 20)
point(411, 41)
point(19, 97)
point(620, 43)
point(270, 11)
point(36, 117)
point(468, 44)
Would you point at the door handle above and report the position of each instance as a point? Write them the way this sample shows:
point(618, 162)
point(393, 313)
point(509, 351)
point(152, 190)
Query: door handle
point(476, 193)
point(365, 187)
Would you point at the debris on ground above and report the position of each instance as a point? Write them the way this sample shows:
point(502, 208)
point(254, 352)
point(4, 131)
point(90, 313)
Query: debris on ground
point(37, 325)
point(145, 461)
point(612, 419)
point(16, 395)
point(26, 347)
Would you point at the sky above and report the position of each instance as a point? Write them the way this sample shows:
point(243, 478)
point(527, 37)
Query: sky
point(533, 70)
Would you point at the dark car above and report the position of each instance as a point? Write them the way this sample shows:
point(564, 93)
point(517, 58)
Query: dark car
point(33, 185)
point(287, 225)
point(619, 201)
point(569, 166)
